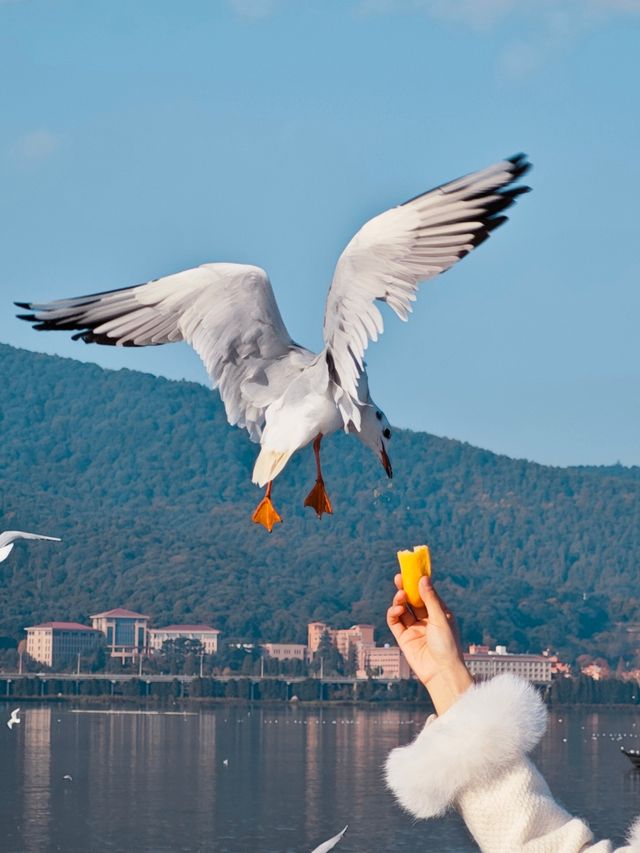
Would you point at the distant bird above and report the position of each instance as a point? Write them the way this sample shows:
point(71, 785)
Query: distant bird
point(9, 537)
point(331, 843)
point(284, 395)
point(14, 719)
point(67, 778)
point(225, 762)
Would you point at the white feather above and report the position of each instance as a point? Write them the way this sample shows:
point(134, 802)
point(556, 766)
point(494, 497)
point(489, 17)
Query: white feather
point(331, 843)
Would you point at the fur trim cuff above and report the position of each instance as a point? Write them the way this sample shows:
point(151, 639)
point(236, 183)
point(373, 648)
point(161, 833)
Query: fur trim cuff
point(492, 725)
point(634, 836)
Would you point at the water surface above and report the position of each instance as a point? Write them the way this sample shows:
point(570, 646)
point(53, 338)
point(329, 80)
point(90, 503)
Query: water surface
point(294, 777)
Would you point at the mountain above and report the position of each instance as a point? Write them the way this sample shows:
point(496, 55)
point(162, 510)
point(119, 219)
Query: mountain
point(151, 491)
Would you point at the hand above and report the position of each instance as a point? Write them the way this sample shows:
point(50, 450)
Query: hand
point(428, 639)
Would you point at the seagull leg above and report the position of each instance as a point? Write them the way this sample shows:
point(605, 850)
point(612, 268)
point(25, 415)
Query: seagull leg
point(265, 513)
point(318, 499)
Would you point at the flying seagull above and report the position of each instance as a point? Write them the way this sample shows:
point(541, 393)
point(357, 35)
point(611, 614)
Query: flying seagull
point(331, 843)
point(284, 395)
point(8, 538)
point(14, 718)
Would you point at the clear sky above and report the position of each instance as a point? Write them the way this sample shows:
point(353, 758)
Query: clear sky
point(140, 138)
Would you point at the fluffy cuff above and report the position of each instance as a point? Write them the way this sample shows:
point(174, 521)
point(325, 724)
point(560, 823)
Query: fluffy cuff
point(492, 725)
point(634, 836)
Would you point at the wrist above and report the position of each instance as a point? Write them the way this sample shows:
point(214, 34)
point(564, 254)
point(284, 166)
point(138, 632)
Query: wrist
point(445, 688)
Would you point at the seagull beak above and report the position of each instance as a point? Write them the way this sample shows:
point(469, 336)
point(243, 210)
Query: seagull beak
point(386, 462)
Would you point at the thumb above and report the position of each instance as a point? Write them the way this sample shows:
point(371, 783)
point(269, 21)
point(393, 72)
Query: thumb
point(431, 600)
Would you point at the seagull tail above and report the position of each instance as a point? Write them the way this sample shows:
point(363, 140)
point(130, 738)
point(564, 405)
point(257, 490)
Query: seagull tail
point(269, 464)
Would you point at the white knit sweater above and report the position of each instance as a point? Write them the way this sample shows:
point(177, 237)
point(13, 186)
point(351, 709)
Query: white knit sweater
point(474, 758)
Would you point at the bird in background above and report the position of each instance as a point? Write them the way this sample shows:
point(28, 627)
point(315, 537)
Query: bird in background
point(282, 393)
point(9, 538)
point(331, 843)
point(14, 719)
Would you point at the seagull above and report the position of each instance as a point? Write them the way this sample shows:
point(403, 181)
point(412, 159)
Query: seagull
point(67, 778)
point(14, 718)
point(282, 393)
point(225, 762)
point(331, 843)
point(8, 538)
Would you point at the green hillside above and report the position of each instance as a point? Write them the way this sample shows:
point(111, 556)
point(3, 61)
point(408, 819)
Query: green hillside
point(150, 490)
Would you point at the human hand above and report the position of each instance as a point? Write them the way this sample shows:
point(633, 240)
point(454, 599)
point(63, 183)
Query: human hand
point(428, 639)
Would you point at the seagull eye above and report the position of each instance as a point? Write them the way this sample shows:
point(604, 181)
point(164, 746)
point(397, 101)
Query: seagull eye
point(379, 415)
point(386, 432)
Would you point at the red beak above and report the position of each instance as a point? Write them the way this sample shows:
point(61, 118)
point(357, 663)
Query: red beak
point(386, 462)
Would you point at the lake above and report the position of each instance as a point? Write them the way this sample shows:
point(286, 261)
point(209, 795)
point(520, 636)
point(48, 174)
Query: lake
point(294, 777)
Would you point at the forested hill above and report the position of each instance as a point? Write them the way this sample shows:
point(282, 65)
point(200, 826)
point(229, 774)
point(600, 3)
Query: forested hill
point(151, 492)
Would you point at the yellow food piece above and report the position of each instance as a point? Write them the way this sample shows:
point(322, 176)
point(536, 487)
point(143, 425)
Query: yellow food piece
point(413, 565)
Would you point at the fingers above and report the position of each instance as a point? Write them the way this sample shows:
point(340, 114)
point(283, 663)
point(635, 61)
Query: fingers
point(406, 617)
point(399, 617)
point(394, 621)
point(419, 612)
point(435, 608)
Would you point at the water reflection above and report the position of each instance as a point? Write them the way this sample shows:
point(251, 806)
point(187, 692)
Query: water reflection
point(292, 777)
point(36, 773)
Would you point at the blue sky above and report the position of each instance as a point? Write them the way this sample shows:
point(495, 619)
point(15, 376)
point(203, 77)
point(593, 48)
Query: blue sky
point(137, 139)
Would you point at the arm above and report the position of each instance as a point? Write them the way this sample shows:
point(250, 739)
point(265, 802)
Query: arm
point(473, 755)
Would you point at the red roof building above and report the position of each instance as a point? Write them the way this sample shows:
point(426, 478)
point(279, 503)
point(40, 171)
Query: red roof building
point(125, 632)
point(120, 613)
point(59, 643)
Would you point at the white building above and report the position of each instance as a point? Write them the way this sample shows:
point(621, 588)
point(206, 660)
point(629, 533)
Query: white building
point(202, 633)
point(286, 651)
point(484, 663)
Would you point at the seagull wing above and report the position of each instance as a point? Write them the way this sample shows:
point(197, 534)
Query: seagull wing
point(227, 312)
point(10, 536)
point(331, 843)
point(401, 247)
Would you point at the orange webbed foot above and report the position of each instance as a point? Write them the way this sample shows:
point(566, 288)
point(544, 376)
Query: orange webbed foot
point(318, 499)
point(266, 515)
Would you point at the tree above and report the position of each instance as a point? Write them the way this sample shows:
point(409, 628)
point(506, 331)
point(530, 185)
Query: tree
point(182, 655)
point(332, 660)
point(351, 663)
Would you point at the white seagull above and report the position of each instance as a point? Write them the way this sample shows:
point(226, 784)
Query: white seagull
point(14, 718)
point(9, 537)
point(331, 843)
point(283, 394)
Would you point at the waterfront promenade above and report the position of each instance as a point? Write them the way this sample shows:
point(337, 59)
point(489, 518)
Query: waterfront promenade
point(51, 685)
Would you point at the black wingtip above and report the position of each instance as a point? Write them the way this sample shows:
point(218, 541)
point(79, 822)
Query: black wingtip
point(28, 317)
point(26, 305)
point(521, 164)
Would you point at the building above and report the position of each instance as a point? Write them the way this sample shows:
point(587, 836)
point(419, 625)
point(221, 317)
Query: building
point(203, 634)
point(286, 651)
point(342, 639)
point(558, 668)
point(382, 662)
point(125, 632)
point(596, 671)
point(57, 643)
point(484, 663)
point(375, 661)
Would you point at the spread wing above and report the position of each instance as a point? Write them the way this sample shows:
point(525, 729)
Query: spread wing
point(227, 312)
point(10, 536)
point(396, 250)
point(331, 843)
